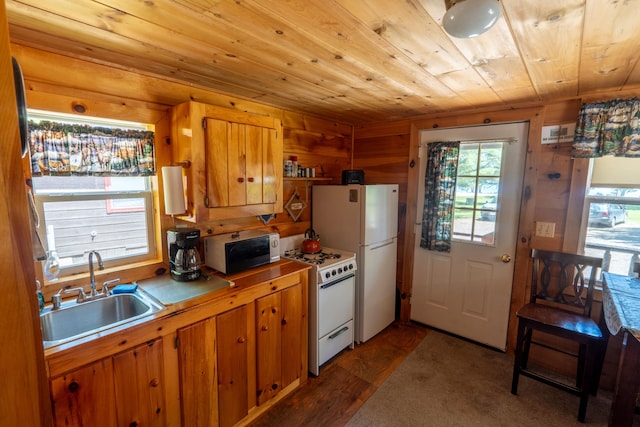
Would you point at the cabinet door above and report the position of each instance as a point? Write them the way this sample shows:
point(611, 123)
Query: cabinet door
point(85, 397)
point(292, 325)
point(254, 142)
point(242, 164)
point(271, 164)
point(139, 386)
point(217, 163)
point(268, 347)
point(198, 380)
point(232, 347)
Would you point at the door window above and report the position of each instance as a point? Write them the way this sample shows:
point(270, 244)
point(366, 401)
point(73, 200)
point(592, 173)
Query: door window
point(477, 198)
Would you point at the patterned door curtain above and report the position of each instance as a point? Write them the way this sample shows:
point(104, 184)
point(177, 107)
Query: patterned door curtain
point(608, 128)
point(439, 192)
point(72, 149)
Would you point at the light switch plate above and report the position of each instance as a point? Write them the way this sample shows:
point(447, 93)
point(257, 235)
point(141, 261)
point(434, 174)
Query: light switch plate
point(545, 229)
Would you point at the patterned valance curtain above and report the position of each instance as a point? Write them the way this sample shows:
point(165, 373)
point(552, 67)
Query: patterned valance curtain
point(608, 128)
point(439, 192)
point(73, 149)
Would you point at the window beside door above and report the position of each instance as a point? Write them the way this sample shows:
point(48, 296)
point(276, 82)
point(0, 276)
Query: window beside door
point(611, 215)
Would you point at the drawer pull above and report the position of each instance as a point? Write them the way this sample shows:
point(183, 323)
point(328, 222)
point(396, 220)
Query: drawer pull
point(339, 332)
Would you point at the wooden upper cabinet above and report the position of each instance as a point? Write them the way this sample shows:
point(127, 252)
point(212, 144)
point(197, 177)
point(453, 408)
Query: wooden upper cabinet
point(240, 164)
point(236, 161)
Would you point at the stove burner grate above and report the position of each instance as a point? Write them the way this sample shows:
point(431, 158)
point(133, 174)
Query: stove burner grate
point(316, 259)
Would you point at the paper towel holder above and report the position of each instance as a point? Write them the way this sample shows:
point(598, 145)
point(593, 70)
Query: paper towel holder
point(185, 164)
point(174, 197)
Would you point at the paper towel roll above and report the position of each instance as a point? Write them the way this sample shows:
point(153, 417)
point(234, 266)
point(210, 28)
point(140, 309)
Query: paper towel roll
point(174, 199)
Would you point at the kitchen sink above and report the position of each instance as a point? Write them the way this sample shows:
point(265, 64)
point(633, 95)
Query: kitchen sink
point(74, 320)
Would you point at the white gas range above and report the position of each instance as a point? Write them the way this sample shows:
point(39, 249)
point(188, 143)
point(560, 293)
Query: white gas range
point(331, 302)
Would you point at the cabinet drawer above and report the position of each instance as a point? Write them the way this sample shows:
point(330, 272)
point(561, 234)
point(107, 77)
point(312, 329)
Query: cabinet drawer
point(335, 341)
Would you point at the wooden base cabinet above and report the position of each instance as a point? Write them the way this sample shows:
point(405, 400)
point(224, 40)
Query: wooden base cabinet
point(235, 391)
point(279, 333)
point(122, 390)
point(220, 362)
point(198, 377)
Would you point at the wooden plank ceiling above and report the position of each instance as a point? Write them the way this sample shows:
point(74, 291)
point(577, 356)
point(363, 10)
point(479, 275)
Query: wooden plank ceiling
point(352, 60)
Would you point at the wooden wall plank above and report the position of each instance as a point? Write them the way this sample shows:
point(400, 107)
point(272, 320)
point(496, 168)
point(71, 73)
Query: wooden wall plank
point(24, 396)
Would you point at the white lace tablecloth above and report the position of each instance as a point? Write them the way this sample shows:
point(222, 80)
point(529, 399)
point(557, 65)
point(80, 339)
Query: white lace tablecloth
point(621, 303)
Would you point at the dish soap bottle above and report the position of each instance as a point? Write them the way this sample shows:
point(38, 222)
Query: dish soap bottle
point(51, 267)
point(40, 296)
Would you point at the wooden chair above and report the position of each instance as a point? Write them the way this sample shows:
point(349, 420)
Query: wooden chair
point(560, 305)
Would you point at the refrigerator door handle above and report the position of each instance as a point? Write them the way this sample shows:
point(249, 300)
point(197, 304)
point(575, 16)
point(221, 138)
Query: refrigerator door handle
point(387, 243)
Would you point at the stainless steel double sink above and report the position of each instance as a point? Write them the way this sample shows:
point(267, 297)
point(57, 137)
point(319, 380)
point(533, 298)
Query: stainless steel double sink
point(75, 320)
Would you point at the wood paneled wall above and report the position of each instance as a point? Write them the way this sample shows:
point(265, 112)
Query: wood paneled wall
point(24, 397)
point(546, 196)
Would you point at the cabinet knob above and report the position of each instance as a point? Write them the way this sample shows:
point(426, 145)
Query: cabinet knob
point(241, 340)
point(154, 382)
point(265, 328)
point(250, 179)
point(73, 386)
point(241, 179)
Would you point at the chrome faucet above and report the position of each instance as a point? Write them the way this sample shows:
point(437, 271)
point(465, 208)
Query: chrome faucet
point(92, 276)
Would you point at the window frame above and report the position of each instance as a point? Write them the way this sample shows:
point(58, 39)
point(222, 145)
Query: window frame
point(147, 195)
point(70, 275)
point(603, 199)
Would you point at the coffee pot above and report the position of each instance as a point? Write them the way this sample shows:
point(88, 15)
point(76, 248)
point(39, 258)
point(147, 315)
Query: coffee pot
point(184, 259)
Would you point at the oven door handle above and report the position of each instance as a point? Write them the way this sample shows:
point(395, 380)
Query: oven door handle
point(342, 279)
point(339, 332)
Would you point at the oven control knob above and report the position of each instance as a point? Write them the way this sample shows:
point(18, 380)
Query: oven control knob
point(340, 270)
point(327, 275)
point(333, 272)
point(350, 266)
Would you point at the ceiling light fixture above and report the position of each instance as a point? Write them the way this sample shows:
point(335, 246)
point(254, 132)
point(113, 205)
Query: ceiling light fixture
point(470, 18)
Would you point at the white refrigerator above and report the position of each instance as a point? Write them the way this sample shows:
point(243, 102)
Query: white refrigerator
point(363, 219)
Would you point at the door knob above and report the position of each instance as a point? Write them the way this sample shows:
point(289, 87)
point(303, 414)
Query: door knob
point(506, 258)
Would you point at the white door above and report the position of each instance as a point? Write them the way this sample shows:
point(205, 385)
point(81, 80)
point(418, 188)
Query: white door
point(468, 291)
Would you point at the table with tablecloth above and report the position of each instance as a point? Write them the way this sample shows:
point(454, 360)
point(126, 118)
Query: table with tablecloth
point(621, 308)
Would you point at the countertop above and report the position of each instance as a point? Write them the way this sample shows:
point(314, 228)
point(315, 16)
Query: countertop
point(174, 294)
point(179, 297)
point(169, 291)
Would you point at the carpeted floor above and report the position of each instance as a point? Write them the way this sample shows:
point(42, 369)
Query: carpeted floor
point(448, 381)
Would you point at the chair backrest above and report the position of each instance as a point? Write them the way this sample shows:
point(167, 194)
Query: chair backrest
point(561, 278)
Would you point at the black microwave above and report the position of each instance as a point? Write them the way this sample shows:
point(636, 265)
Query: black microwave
point(235, 252)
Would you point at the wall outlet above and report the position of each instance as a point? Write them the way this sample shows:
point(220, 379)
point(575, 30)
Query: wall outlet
point(545, 229)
